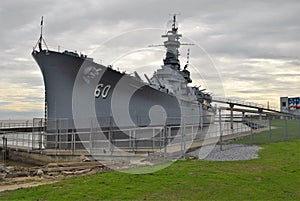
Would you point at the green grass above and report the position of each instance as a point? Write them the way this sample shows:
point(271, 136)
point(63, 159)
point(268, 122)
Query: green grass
point(274, 176)
point(283, 131)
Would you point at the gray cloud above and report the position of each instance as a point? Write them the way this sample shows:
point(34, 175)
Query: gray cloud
point(253, 43)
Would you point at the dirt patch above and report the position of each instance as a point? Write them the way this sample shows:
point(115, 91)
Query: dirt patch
point(13, 178)
point(24, 185)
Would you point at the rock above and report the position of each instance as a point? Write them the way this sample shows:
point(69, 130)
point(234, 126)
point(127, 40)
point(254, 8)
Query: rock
point(140, 162)
point(82, 171)
point(16, 174)
point(2, 176)
point(52, 165)
point(46, 176)
point(39, 172)
point(67, 172)
point(3, 169)
point(84, 159)
point(53, 174)
point(10, 168)
point(231, 152)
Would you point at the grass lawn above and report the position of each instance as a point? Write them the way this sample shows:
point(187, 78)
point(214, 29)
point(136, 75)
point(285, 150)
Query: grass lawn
point(274, 176)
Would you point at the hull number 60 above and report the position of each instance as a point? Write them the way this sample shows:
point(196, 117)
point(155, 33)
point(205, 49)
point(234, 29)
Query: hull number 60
point(102, 90)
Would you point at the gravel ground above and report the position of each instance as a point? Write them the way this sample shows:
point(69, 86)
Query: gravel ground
point(232, 152)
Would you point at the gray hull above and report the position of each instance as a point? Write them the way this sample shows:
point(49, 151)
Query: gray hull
point(60, 72)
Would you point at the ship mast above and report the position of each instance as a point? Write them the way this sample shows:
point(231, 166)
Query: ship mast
point(41, 35)
point(41, 39)
point(172, 45)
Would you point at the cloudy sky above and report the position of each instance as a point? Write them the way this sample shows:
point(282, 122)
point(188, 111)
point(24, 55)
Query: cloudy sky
point(251, 46)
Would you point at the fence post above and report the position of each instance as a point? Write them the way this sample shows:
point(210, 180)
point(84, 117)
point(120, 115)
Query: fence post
point(23, 139)
point(231, 116)
point(56, 135)
point(193, 135)
point(270, 128)
point(134, 147)
point(129, 140)
point(299, 125)
point(28, 142)
point(251, 129)
point(184, 142)
point(181, 144)
point(73, 142)
point(32, 135)
point(4, 151)
point(202, 119)
point(169, 135)
point(286, 129)
point(221, 133)
point(90, 137)
point(153, 139)
point(109, 135)
point(40, 137)
point(165, 141)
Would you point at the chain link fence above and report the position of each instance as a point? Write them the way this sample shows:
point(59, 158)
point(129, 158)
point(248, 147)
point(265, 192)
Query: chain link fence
point(164, 141)
point(278, 128)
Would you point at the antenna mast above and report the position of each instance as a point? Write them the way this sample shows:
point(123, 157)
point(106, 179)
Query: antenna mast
point(174, 23)
point(41, 39)
point(41, 35)
point(42, 22)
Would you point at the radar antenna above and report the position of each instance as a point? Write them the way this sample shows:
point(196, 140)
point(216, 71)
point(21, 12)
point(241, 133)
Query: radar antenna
point(174, 28)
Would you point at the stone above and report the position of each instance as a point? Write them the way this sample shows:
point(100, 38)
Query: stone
point(84, 159)
point(2, 176)
point(39, 172)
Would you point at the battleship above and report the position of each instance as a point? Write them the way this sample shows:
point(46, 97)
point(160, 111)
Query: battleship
point(77, 88)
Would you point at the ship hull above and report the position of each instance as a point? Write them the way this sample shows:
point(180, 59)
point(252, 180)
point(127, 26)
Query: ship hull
point(125, 102)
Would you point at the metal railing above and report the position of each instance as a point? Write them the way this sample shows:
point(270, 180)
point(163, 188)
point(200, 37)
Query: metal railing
point(15, 123)
point(238, 101)
point(156, 139)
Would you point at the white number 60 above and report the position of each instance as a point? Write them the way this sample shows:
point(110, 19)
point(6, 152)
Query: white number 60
point(102, 90)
